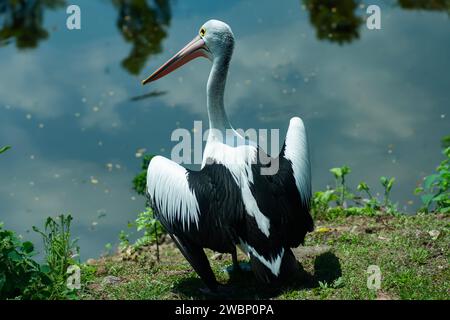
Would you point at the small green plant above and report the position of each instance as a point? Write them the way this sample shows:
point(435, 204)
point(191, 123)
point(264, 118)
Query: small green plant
point(434, 191)
point(124, 240)
point(363, 187)
point(60, 252)
point(387, 184)
point(152, 228)
point(370, 202)
point(140, 180)
point(339, 175)
point(145, 221)
point(348, 203)
point(108, 249)
point(321, 201)
point(21, 277)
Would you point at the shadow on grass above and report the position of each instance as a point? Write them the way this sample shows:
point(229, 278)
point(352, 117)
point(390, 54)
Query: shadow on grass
point(244, 285)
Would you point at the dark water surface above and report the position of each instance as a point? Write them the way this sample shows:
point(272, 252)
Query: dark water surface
point(72, 106)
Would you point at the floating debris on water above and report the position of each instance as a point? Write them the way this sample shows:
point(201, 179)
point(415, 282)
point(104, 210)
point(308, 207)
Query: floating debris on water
point(94, 180)
point(140, 152)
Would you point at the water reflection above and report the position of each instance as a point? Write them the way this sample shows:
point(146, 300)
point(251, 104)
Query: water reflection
point(144, 26)
point(337, 20)
point(334, 20)
point(431, 5)
point(22, 20)
point(142, 23)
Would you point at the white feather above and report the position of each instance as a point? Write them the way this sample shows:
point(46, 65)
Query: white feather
point(168, 187)
point(297, 152)
point(238, 161)
point(272, 264)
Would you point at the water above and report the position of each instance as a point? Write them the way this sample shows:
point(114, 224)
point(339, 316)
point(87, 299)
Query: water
point(72, 106)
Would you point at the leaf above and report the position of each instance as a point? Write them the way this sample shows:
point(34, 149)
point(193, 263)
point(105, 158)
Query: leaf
point(445, 141)
point(444, 210)
point(363, 186)
point(45, 269)
point(426, 199)
point(27, 247)
point(14, 256)
point(346, 170)
point(440, 197)
point(390, 184)
point(340, 172)
point(3, 149)
point(337, 172)
point(430, 180)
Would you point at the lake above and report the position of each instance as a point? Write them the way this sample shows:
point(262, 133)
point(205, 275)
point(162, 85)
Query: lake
point(78, 119)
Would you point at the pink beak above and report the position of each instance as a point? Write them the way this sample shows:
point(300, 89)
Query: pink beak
point(194, 49)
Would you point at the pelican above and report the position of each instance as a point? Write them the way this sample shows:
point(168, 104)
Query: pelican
point(229, 203)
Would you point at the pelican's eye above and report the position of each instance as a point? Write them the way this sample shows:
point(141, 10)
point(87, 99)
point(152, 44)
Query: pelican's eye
point(202, 31)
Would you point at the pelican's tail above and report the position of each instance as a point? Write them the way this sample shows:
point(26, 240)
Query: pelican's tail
point(296, 150)
point(288, 269)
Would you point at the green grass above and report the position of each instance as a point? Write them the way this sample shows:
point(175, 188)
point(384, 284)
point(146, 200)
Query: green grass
point(413, 261)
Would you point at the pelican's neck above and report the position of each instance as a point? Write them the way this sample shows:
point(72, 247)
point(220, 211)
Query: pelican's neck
point(218, 119)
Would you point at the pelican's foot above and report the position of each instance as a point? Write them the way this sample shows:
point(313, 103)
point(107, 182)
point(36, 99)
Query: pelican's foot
point(221, 291)
point(239, 267)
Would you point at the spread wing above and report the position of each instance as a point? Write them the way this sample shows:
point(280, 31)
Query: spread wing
point(203, 206)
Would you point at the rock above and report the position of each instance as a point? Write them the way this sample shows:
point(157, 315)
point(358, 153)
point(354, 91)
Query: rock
point(217, 256)
point(111, 280)
point(434, 234)
point(91, 262)
point(383, 296)
point(101, 270)
point(302, 252)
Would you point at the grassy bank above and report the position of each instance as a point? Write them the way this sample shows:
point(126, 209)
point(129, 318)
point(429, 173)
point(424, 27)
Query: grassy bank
point(358, 232)
point(411, 252)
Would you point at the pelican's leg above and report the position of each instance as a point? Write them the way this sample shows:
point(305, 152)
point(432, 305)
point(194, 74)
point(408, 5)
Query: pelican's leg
point(198, 260)
point(236, 266)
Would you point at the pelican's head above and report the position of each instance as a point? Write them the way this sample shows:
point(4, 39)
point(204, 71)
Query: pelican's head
point(215, 40)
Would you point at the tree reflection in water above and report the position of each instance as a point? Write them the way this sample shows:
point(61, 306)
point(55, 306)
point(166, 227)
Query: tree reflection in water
point(337, 20)
point(22, 20)
point(430, 5)
point(334, 20)
point(144, 23)
point(144, 26)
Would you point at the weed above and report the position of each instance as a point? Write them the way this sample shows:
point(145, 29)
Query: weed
point(60, 253)
point(435, 193)
point(339, 175)
point(20, 275)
